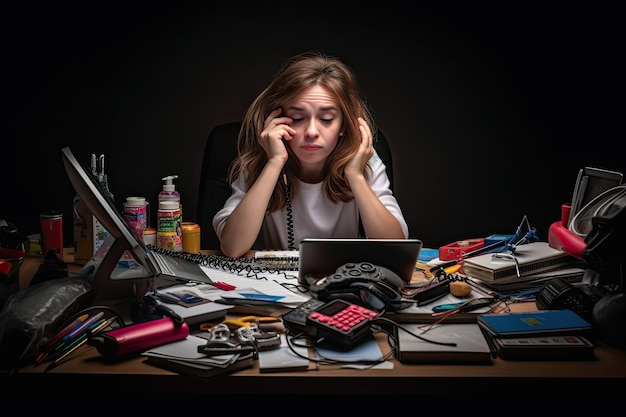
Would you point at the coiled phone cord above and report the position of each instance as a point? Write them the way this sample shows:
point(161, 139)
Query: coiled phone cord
point(290, 235)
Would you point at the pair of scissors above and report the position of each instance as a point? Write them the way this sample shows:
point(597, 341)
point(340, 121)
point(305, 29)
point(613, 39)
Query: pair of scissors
point(263, 322)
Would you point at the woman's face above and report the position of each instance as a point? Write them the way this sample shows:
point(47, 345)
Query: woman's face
point(317, 121)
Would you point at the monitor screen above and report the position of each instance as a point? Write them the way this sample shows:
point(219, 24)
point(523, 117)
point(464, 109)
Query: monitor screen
point(122, 237)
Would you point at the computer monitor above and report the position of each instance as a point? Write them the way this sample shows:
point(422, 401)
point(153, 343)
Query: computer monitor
point(122, 237)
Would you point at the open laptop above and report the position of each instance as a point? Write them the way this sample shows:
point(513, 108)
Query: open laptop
point(151, 264)
point(178, 269)
point(321, 257)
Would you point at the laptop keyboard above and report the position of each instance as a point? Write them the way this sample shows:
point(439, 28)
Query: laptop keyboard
point(165, 267)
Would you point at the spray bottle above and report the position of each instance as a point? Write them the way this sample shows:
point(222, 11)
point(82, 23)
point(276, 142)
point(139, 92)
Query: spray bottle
point(170, 216)
point(169, 193)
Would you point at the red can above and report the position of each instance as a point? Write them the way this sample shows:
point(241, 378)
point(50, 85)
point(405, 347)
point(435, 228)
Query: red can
point(52, 232)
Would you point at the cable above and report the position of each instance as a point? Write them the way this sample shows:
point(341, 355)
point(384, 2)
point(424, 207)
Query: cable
point(290, 235)
point(397, 326)
point(320, 360)
point(293, 340)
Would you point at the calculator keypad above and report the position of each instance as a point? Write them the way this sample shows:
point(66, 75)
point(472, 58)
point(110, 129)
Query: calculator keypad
point(346, 319)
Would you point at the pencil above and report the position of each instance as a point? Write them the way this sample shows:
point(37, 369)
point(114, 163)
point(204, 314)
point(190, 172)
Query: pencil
point(63, 356)
point(83, 326)
point(66, 330)
point(48, 347)
point(101, 326)
point(81, 340)
point(76, 343)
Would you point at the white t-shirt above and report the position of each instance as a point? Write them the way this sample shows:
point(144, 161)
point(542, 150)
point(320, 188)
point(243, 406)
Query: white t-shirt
point(314, 216)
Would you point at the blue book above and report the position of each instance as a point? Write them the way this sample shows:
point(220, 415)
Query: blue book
point(534, 324)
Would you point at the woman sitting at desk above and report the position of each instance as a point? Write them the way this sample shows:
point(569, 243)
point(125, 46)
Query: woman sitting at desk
point(306, 165)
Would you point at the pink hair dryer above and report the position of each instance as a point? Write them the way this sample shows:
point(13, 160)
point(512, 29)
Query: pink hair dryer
point(139, 337)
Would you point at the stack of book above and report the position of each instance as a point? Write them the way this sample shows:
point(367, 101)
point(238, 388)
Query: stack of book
point(183, 357)
point(530, 266)
point(539, 335)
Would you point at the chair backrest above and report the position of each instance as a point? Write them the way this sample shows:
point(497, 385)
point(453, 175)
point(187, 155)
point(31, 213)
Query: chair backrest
point(219, 152)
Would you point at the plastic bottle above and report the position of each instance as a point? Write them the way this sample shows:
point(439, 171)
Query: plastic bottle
point(169, 226)
point(169, 192)
point(170, 216)
point(135, 212)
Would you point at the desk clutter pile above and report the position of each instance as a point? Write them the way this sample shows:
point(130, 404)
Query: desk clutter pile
point(462, 309)
point(248, 315)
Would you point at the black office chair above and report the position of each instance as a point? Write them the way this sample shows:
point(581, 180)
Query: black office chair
point(220, 151)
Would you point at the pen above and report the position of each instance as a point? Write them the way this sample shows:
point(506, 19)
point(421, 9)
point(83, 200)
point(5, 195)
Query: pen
point(48, 347)
point(66, 330)
point(55, 355)
point(103, 325)
point(79, 342)
point(91, 330)
point(484, 249)
point(83, 326)
point(94, 326)
point(444, 265)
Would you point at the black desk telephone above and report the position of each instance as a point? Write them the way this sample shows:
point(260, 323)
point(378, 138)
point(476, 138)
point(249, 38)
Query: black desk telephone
point(375, 287)
point(364, 284)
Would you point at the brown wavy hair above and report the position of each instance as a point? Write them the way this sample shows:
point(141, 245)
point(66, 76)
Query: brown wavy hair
point(296, 74)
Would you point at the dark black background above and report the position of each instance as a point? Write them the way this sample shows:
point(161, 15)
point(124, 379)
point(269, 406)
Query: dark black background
point(490, 110)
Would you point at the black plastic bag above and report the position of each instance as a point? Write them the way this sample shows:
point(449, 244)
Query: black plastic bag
point(32, 316)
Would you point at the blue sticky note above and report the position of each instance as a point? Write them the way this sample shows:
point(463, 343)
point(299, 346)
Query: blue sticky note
point(262, 297)
point(428, 254)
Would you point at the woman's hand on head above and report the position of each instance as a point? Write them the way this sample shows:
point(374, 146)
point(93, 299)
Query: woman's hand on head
point(276, 129)
point(357, 164)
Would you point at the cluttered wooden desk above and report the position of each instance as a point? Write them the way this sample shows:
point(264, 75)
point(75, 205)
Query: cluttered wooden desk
point(503, 379)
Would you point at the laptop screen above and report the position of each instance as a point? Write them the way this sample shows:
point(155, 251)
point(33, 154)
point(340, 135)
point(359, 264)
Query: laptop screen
point(321, 257)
